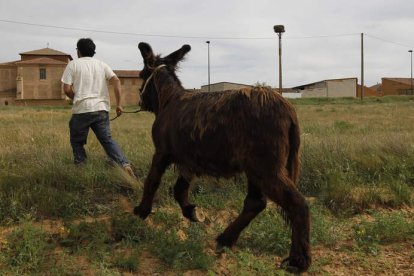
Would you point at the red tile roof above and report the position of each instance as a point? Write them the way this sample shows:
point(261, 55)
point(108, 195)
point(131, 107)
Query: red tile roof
point(45, 52)
point(9, 63)
point(42, 60)
point(400, 80)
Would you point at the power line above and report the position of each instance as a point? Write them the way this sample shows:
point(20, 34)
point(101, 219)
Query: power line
point(163, 35)
point(389, 41)
point(194, 37)
point(322, 36)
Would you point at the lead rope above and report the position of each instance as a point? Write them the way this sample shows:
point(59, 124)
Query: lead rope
point(136, 111)
point(142, 91)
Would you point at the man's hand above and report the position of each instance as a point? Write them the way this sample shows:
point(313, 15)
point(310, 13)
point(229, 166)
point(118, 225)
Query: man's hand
point(119, 110)
point(68, 89)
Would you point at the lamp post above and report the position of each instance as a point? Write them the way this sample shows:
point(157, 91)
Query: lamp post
point(411, 52)
point(279, 29)
point(208, 59)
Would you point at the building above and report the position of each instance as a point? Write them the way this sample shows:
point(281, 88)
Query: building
point(223, 86)
point(368, 92)
point(396, 86)
point(35, 79)
point(130, 83)
point(333, 88)
point(377, 88)
point(290, 93)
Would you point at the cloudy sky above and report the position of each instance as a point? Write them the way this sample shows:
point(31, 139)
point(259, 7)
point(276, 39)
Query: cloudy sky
point(322, 38)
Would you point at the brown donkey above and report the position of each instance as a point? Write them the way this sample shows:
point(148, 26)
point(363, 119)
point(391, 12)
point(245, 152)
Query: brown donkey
point(220, 134)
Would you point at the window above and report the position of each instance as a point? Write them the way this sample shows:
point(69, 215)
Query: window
point(42, 72)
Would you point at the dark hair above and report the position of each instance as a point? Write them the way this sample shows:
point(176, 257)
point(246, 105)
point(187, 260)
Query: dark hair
point(86, 47)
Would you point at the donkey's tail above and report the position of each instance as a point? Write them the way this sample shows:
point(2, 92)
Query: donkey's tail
point(293, 163)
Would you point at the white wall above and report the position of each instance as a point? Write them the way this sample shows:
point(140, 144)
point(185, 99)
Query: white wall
point(292, 95)
point(332, 89)
point(341, 88)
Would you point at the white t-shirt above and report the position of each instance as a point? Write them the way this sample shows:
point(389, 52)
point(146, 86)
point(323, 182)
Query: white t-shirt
point(89, 79)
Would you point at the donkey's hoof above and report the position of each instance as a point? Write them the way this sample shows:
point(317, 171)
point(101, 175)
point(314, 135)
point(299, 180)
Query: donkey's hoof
point(141, 212)
point(223, 244)
point(220, 249)
point(295, 265)
point(193, 213)
point(286, 266)
point(197, 215)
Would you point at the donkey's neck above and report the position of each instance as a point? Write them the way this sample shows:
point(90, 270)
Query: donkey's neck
point(169, 90)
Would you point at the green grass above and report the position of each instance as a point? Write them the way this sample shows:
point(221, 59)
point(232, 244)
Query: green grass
point(26, 249)
point(182, 254)
point(267, 233)
point(356, 157)
point(384, 229)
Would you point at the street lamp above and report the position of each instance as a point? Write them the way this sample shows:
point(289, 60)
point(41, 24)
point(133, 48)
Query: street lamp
point(279, 29)
point(208, 57)
point(411, 52)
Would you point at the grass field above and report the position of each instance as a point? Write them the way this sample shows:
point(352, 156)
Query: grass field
point(58, 219)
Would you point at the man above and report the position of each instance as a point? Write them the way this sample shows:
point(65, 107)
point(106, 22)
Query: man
point(85, 82)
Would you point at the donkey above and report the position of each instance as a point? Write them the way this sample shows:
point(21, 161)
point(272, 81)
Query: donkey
point(221, 134)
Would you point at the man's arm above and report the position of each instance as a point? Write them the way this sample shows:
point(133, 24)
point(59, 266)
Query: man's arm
point(68, 89)
point(118, 90)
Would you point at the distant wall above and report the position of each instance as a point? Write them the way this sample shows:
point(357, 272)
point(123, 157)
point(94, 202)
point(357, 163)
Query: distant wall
point(223, 86)
point(8, 76)
point(314, 92)
point(130, 91)
point(391, 87)
point(44, 102)
point(368, 92)
point(331, 88)
point(32, 87)
point(292, 95)
point(341, 88)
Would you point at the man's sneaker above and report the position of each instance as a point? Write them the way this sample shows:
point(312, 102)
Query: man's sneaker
point(129, 170)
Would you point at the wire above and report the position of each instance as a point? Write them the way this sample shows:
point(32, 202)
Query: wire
point(388, 41)
point(163, 35)
point(194, 37)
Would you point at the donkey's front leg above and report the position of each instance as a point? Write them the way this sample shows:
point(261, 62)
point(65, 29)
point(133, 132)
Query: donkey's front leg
point(158, 166)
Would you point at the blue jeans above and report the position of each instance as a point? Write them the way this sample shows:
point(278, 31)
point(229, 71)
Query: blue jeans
point(98, 121)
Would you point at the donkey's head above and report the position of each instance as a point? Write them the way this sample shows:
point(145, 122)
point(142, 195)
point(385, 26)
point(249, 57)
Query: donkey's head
point(152, 77)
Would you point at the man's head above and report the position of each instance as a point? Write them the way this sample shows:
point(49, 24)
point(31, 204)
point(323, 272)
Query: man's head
point(85, 47)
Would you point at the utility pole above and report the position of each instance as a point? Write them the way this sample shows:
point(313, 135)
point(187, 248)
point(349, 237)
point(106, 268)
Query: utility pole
point(362, 66)
point(279, 29)
point(411, 52)
point(208, 61)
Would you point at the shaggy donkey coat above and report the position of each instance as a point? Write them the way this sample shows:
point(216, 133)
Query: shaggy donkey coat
point(220, 134)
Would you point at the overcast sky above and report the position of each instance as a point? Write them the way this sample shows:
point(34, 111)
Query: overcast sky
point(322, 38)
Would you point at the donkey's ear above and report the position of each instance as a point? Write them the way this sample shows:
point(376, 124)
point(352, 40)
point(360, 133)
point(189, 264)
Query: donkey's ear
point(146, 52)
point(178, 55)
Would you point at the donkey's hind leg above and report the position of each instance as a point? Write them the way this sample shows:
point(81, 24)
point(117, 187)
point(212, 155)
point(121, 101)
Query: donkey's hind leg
point(294, 206)
point(254, 203)
point(181, 196)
